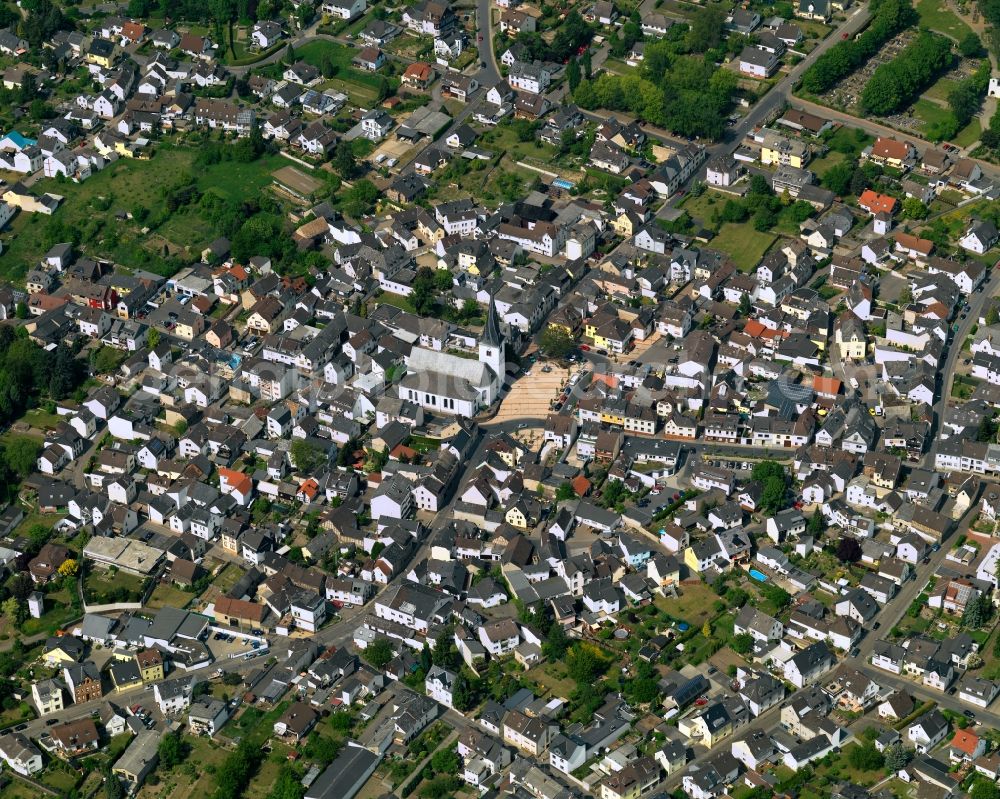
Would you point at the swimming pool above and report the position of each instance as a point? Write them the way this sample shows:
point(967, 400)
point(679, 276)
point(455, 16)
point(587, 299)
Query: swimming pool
point(759, 576)
point(562, 183)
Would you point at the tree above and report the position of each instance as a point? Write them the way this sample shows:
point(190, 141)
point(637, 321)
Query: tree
point(21, 455)
point(425, 659)
point(306, 456)
point(289, 57)
point(21, 310)
point(865, 758)
point(461, 692)
point(776, 595)
point(344, 160)
point(556, 342)
point(742, 643)
point(321, 748)
point(69, 567)
point(971, 46)
point(859, 182)
point(914, 209)
point(817, 523)
point(705, 29)
point(585, 662)
point(171, 750)
point(573, 75)
point(112, 785)
point(379, 653)
point(565, 492)
point(288, 785)
point(445, 761)
point(706, 629)
point(424, 295)
point(15, 609)
point(984, 789)
point(556, 643)
point(745, 305)
point(838, 178)
point(978, 611)
point(848, 550)
point(443, 280)
point(585, 63)
point(896, 757)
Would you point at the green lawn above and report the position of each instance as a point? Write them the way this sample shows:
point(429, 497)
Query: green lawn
point(848, 140)
point(90, 207)
point(822, 165)
point(361, 85)
point(743, 244)
point(930, 112)
point(504, 137)
point(165, 595)
point(969, 134)
point(936, 16)
point(100, 583)
point(237, 181)
point(941, 89)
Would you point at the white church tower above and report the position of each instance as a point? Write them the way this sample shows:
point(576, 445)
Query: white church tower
point(492, 350)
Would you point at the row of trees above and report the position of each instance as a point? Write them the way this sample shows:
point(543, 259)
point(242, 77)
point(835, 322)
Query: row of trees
point(897, 83)
point(889, 18)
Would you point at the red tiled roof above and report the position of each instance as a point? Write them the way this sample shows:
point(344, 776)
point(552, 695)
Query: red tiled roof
point(965, 741)
point(890, 148)
point(875, 203)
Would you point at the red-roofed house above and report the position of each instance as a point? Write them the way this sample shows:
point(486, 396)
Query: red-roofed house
point(237, 484)
point(827, 386)
point(966, 745)
point(913, 246)
point(133, 31)
point(875, 203)
point(418, 75)
point(581, 485)
point(892, 152)
point(307, 491)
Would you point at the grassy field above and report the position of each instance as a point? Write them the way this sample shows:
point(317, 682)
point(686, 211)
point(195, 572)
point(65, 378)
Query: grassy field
point(182, 782)
point(743, 244)
point(930, 112)
point(936, 16)
point(165, 595)
point(102, 582)
point(941, 89)
point(504, 137)
point(692, 605)
point(831, 159)
point(128, 184)
point(969, 134)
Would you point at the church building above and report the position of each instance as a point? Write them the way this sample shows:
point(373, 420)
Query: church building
point(439, 381)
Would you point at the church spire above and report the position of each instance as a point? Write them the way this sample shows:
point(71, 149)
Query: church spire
point(491, 333)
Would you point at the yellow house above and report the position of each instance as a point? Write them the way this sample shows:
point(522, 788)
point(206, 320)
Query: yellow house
point(102, 53)
point(703, 554)
point(777, 149)
point(850, 338)
point(150, 664)
point(125, 675)
point(433, 234)
point(709, 728)
point(58, 651)
point(627, 224)
point(611, 416)
point(516, 517)
point(189, 325)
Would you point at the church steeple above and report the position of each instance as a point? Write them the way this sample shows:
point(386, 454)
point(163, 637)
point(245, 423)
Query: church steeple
point(491, 333)
point(492, 350)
